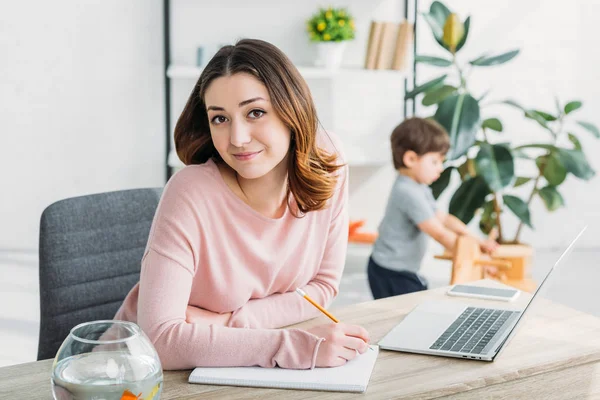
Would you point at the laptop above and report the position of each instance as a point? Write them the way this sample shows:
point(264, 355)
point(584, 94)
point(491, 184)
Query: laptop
point(453, 329)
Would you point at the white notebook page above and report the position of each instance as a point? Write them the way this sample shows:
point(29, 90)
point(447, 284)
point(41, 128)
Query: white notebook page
point(351, 377)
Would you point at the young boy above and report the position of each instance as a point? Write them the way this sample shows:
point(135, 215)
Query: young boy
point(418, 149)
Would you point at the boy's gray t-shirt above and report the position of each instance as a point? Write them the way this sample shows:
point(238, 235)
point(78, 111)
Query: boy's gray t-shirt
point(401, 245)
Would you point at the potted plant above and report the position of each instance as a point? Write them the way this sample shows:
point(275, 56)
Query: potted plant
point(330, 29)
point(484, 160)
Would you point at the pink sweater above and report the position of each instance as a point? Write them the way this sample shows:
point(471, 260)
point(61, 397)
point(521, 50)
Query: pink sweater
point(209, 249)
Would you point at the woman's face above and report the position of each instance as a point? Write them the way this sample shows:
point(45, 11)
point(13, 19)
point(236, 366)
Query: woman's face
point(245, 129)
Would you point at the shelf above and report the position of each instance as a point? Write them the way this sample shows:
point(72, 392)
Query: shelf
point(193, 72)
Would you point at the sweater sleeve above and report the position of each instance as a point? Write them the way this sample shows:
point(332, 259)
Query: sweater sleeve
point(168, 271)
point(284, 309)
point(164, 292)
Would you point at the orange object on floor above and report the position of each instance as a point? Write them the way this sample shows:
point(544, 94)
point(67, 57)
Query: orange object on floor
point(354, 236)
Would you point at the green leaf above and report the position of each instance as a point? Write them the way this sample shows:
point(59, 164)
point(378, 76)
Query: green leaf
point(575, 162)
point(432, 84)
point(545, 115)
point(436, 95)
point(552, 168)
point(519, 208)
point(552, 198)
point(467, 169)
point(513, 103)
point(436, 18)
point(487, 221)
point(459, 115)
point(469, 197)
point(440, 13)
point(575, 141)
point(441, 183)
point(572, 106)
point(437, 31)
point(431, 60)
point(496, 165)
point(532, 114)
point(536, 116)
point(493, 124)
point(481, 57)
point(462, 42)
point(548, 147)
point(520, 181)
point(485, 61)
point(520, 153)
point(590, 128)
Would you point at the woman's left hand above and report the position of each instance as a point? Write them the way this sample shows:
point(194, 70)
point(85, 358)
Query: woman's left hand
point(197, 315)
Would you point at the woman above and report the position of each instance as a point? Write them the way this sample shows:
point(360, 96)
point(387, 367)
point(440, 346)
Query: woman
point(259, 210)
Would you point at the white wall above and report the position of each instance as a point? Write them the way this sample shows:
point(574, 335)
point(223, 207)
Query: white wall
point(558, 57)
point(81, 105)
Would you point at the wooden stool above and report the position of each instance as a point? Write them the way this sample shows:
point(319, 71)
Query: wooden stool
point(468, 264)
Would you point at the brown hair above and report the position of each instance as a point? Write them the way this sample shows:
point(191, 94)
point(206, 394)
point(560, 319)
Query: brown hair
point(419, 135)
point(311, 178)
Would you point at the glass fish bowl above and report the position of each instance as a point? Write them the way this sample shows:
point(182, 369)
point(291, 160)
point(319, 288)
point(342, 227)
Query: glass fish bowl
point(106, 360)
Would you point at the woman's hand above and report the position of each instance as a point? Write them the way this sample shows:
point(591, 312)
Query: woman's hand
point(342, 342)
point(196, 315)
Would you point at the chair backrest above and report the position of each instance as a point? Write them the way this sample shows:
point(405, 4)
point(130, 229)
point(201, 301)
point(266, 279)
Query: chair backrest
point(464, 262)
point(90, 254)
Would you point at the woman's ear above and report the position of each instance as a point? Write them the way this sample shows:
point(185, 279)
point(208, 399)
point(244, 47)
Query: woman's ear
point(410, 158)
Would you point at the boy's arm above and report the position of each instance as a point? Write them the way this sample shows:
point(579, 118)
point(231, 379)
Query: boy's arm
point(459, 228)
point(439, 232)
point(452, 223)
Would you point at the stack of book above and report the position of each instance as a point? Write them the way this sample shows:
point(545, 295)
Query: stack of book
point(389, 45)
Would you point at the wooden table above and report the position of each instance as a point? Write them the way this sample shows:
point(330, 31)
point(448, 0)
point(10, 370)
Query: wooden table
point(554, 355)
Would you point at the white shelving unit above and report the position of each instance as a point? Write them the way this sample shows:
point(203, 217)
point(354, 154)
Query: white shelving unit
point(193, 72)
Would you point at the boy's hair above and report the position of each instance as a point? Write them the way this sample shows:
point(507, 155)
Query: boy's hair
point(419, 135)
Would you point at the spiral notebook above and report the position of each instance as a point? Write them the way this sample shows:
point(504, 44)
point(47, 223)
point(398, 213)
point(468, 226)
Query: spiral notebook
point(351, 377)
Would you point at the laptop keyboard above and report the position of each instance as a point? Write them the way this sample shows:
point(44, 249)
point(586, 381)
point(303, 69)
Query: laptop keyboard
point(472, 330)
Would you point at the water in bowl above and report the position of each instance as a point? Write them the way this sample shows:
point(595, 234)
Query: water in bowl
point(107, 376)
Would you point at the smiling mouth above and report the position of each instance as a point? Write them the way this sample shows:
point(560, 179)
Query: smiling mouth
point(247, 155)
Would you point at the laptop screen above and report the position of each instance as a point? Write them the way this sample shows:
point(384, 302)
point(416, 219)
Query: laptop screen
point(562, 257)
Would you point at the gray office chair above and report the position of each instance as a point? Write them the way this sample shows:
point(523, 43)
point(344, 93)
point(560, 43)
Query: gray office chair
point(90, 253)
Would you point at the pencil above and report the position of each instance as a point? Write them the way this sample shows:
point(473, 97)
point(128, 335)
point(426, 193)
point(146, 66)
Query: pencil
point(314, 303)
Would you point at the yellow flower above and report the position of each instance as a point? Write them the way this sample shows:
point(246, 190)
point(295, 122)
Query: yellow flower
point(328, 14)
point(341, 13)
point(326, 37)
point(352, 23)
point(321, 26)
point(341, 22)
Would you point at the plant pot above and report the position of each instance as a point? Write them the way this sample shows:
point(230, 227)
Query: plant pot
point(518, 275)
point(330, 54)
point(519, 255)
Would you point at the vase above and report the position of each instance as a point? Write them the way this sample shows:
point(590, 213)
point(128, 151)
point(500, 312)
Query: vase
point(330, 54)
point(106, 360)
